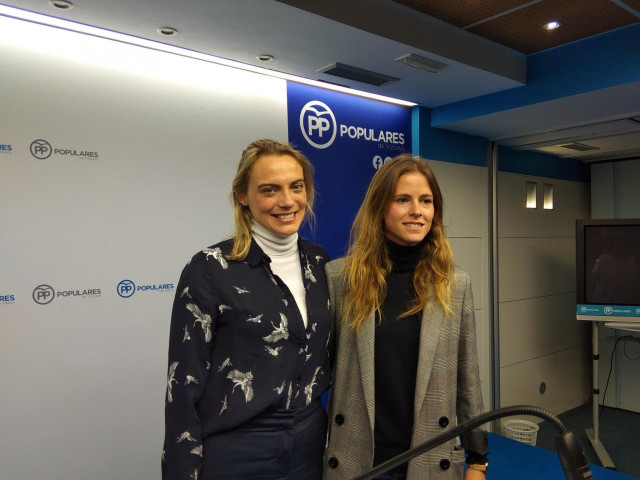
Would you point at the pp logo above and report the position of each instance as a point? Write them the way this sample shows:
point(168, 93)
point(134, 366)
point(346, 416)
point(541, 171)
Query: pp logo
point(41, 149)
point(126, 288)
point(43, 294)
point(608, 310)
point(318, 124)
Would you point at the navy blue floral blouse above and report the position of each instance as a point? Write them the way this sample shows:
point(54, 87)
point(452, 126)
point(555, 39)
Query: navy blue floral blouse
point(238, 348)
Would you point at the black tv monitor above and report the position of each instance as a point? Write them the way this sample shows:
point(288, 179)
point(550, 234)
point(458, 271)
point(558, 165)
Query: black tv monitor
point(608, 262)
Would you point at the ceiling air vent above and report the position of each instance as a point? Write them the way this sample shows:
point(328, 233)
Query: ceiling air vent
point(581, 147)
point(357, 74)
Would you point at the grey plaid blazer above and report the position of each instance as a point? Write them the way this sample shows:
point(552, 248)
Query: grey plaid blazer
point(447, 385)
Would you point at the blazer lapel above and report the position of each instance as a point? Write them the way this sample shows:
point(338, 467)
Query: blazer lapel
point(432, 321)
point(366, 342)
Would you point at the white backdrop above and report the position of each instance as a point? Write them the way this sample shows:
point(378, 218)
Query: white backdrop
point(152, 144)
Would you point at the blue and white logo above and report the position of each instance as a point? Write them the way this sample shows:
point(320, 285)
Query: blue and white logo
point(43, 294)
point(318, 124)
point(126, 288)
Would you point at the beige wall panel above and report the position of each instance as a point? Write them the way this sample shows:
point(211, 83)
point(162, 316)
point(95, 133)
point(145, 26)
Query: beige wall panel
point(464, 188)
point(628, 174)
point(571, 201)
point(540, 326)
point(468, 254)
point(535, 267)
point(568, 383)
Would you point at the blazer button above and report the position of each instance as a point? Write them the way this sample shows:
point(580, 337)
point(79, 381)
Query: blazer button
point(445, 464)
point(333, 462)
point(443, 421)
point(339, 419)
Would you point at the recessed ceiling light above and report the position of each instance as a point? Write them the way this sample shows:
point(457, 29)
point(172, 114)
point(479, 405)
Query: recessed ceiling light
point(265, 57)
point(167, 31)
point(61, 4)
point(552, 25)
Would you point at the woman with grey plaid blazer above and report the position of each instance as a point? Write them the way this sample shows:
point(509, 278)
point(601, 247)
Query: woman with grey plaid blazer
point(404, 337)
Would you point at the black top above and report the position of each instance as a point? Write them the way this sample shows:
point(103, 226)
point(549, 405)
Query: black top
point(396, 357)
point(238, 347)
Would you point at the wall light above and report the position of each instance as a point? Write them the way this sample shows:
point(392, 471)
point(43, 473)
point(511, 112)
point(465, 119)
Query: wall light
point(547, 196)
point(532, 195)
point(16, 13)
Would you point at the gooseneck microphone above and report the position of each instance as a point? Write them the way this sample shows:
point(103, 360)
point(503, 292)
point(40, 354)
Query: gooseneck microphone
point(572, 458)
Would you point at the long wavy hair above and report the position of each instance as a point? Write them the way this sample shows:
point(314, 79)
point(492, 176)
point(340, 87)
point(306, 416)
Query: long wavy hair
point(368, 262)
point(242, 214)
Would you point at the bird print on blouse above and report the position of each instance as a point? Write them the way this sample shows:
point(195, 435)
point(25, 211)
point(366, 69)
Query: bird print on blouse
point(224, 405)
point(217, 254)
point(225, 364)
point(273, 351)
point(256, 319)
point(187, 335)
point(185, 436)
point(170, 380)
point(203, 318)
point(242, 380)
point(281, 332)
point(241, 290)
point(308, 390)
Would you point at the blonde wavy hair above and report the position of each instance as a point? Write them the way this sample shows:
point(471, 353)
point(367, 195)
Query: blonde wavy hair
point(368, 262)
point(242, 215)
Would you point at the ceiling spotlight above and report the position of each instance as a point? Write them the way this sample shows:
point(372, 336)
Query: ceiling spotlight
point(167, 31)
point(61, 4)
point(422, 63)
point(265, 57)
point(552, 25)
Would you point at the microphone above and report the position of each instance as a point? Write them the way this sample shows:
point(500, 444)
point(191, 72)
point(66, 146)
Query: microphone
point(572, 458)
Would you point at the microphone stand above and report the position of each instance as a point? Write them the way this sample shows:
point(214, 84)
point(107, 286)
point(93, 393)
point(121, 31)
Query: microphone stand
point(571, 455)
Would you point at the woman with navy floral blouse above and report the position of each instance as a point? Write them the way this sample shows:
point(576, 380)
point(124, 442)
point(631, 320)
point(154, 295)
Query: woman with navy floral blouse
point(250, 323)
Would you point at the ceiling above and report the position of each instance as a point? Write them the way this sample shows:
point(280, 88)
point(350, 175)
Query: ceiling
point(484, 45)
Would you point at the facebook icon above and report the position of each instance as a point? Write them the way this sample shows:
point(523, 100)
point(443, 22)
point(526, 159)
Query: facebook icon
point(126, 288)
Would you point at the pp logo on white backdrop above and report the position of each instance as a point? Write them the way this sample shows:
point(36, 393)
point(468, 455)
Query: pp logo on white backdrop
point(41, 149)
point(318, 124)
point(126, 288)
point(43, 294)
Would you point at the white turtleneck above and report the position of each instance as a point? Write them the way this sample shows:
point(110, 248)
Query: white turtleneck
point(285, 262)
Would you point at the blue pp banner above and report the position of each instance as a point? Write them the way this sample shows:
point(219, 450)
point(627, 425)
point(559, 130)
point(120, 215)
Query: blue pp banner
point(609, 310)
point(347, 138)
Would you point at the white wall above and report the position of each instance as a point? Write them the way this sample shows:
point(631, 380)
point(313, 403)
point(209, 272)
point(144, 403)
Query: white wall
point(540, 339)
point(615, 194)
point(83, 377)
